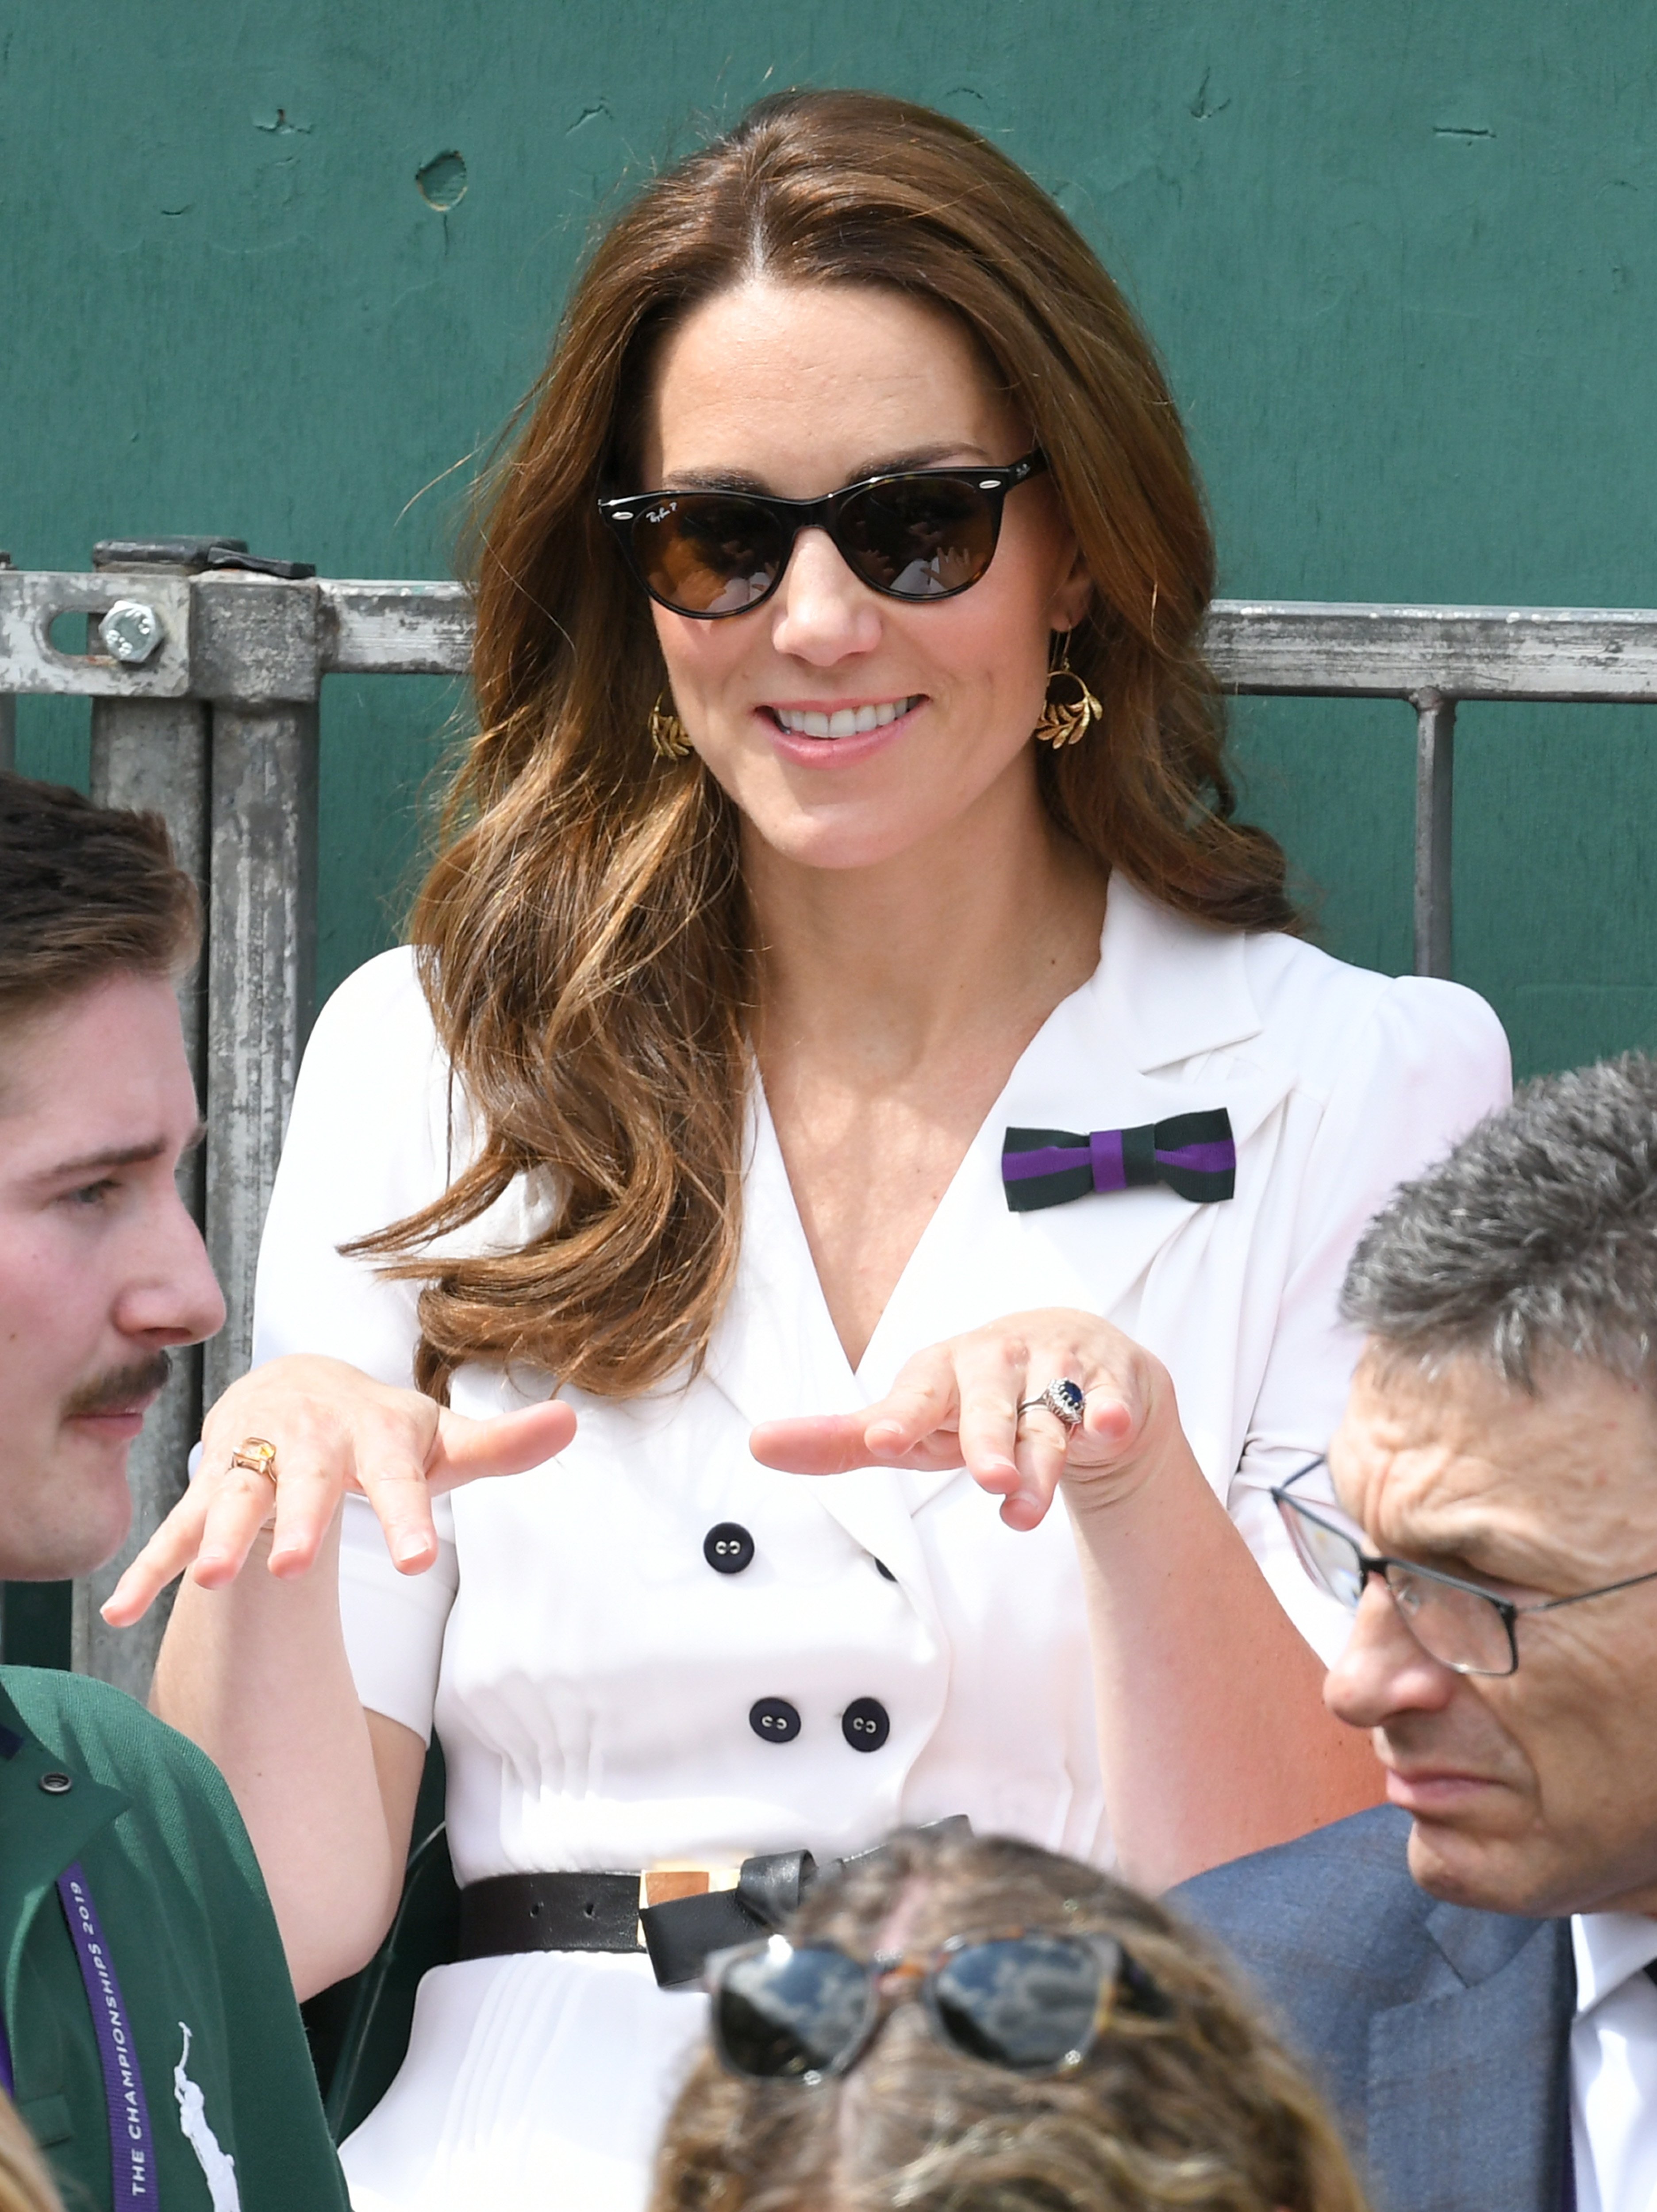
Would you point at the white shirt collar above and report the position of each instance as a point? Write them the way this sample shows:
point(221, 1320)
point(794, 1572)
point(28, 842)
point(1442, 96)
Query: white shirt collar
point(1609, 1948)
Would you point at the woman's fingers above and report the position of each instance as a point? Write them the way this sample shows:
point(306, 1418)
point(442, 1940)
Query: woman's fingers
point(957, 1404)
point(511, 1443)
point(395, 1485)
point(163, 1559)
point(816, 1444)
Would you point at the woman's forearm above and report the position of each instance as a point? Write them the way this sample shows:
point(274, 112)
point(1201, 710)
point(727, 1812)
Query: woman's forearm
point(256, 1673)
point(1213, 1735)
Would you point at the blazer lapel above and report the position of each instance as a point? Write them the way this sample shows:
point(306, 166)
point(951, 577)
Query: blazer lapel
point(1163, 1026)
point(1468, 2087)
point(774, 1354)
point(1166, 1023)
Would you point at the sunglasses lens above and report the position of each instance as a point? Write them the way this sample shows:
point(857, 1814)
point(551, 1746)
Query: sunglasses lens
point(1031, 2002)
point(709, 553)
point(920, 537)
point(786, 2015)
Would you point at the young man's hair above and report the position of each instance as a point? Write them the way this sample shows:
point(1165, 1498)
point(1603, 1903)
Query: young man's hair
point(86, 892)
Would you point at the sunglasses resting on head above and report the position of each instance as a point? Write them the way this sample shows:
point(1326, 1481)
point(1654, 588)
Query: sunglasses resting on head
point(1032, 2000)
point(914, 534)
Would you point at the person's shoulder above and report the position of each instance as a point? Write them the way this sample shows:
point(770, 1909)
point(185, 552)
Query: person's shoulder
point(384, 993)
point(1327, 1931)
point(1304, 994)
point(106, 1735)
point(1361, 1861)
point(376, 1033)
point(1287, 1002)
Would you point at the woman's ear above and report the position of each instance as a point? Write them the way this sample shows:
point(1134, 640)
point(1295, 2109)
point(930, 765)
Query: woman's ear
point(1074, 596)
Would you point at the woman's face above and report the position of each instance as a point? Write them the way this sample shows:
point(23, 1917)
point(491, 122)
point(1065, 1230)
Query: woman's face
point(796, 391)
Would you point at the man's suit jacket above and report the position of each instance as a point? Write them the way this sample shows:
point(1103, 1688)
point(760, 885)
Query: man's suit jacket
point(1440, 2034)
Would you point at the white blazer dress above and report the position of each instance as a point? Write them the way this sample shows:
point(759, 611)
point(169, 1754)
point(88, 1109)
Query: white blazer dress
point(592, 1680)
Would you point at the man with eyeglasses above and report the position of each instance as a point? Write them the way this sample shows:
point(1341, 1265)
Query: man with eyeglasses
point(1472, 1964)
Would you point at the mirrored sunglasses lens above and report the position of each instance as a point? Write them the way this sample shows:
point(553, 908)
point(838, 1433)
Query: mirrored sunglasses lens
point(1031, 2002)
point(709, 554)
point(784, 2015)
point(1458, 1627)
point(919, 538)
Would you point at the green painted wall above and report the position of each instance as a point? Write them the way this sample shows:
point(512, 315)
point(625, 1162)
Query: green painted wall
point(1400, 259)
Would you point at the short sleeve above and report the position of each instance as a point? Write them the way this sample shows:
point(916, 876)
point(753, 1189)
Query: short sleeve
point(393, 1624)
point(368, 1143)
point(1428, 1059)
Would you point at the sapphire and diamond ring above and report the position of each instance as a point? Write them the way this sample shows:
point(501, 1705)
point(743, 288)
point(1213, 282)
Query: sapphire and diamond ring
point(1063, 1399)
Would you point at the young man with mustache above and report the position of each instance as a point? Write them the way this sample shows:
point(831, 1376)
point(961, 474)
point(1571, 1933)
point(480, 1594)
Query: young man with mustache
point(148, 2028)
point(1472, 1965)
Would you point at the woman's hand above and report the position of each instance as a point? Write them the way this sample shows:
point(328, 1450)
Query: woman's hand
point(335, 1428)
point(956, 1404)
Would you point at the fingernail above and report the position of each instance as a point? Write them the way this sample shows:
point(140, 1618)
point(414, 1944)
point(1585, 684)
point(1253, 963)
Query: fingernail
point(409, 1548)
point(884, 1432)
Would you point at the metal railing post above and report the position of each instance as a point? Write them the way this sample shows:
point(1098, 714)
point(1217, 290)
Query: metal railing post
point(260, 663)
point(1435, 740)
point(153, 754)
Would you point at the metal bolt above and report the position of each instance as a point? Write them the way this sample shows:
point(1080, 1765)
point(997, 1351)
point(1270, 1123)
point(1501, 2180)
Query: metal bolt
point(130, 631)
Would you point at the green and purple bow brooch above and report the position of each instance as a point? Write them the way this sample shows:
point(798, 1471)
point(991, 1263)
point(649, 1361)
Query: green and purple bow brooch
point(1191, 1154)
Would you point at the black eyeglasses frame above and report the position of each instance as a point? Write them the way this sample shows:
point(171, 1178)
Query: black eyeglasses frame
point(621, 511)
point(1371, 1563)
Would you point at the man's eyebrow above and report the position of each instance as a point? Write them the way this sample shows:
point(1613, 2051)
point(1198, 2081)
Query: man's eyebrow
point(889, 464)
point(117, 1156)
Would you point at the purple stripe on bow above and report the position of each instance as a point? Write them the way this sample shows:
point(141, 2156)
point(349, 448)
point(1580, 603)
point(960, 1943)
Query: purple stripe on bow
point(1103, 1154)
point(1203, 1159)
point(1054, 1159)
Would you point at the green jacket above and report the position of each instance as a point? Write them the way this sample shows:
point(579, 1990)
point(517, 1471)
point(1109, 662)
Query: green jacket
point(193, 1945)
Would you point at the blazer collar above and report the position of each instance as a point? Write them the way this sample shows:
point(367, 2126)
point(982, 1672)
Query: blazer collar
point(1167, 991)
point(1169, 986)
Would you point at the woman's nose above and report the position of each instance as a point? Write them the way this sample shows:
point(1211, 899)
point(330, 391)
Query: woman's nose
point(822, 612)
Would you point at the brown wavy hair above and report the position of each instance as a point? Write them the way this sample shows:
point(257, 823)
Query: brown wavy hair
point(584, 938)
point(1190, 2101)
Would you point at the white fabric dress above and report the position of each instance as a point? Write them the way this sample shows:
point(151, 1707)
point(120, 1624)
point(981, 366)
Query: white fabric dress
point(591, 1678)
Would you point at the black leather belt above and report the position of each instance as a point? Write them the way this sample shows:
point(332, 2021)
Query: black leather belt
point(604, 1912)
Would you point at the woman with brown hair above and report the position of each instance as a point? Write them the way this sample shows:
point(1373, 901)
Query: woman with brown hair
point(847, 1033)
point(982, 2027)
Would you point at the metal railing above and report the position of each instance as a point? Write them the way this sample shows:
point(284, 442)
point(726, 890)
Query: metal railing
point(204, 672)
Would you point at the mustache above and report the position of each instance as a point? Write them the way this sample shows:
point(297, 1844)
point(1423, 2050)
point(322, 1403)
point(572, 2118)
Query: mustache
point(117, 1389)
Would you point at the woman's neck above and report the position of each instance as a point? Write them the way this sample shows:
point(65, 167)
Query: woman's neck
point(945, 949)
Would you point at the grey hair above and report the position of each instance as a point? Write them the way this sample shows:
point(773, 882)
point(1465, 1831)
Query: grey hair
point(1535, 1236)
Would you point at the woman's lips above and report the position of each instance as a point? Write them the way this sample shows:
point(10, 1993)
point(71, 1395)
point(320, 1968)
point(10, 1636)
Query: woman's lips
point(844, 751)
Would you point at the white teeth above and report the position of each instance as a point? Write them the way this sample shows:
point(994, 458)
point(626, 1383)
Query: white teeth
point(844, 722)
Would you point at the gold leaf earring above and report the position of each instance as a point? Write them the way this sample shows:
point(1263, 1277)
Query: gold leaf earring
point(669, 738)
point(1071, 707)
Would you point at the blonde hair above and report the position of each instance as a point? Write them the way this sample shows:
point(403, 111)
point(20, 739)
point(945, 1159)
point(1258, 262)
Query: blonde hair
point(1186, 2101)
point(584, 936)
